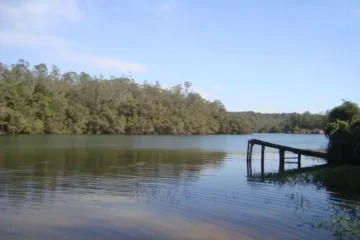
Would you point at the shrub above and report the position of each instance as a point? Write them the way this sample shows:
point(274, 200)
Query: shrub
point(343, 132)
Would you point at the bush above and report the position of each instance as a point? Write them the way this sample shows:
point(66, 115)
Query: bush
point(343, 132)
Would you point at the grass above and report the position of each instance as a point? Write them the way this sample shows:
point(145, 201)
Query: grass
point(344, 180)
point(341, 179)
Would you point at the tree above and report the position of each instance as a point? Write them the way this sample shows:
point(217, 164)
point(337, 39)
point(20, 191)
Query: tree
point(345, 112)
point(41, 102)
point(40, 70)
point(343, 132)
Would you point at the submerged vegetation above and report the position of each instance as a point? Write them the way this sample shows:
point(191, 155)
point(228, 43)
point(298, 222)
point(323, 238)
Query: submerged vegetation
point(38, 100)
point(341, 175)
point(343, 180)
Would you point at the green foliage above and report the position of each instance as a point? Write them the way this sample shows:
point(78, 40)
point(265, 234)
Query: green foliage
point(42, 101)
point(345, 112)
point(345, 223)
point(343, 132)
point(336, 127)
point(286, 122)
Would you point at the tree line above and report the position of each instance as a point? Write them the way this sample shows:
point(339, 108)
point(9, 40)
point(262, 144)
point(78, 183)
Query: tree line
point(286, 122)
point(39, 100)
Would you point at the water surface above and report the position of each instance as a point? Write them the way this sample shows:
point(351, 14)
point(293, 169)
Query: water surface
point(152, 187)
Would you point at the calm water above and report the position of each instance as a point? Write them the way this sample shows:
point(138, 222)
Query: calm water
point(152, 187)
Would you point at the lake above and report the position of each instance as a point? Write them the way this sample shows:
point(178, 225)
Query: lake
point(153, 187)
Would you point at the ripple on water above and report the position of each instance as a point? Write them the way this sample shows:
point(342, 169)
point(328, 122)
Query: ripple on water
point(112, 192)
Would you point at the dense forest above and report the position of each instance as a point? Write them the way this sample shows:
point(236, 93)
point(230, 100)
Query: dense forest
point(39, 100)
point(286, 122)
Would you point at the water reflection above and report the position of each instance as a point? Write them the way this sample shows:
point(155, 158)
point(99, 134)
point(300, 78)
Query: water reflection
point(110, 188)
point(93, 220)
point(341, 201)
point(36, 172)
point(95, 192)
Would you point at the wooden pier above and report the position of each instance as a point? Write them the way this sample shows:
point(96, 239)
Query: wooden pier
point(282, 149)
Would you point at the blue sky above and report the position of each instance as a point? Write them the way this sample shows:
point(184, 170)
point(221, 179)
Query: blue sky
point(267, 56)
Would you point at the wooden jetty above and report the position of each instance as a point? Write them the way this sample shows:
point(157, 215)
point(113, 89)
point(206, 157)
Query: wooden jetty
point(282, 149)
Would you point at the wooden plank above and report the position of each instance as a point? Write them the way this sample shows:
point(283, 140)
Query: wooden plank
point(282, 160)
point(262, 159)
point(251, 148)
point(306, 152)
point(247, 159)
point(250, 168)
point(248, 151)
point(291, 158)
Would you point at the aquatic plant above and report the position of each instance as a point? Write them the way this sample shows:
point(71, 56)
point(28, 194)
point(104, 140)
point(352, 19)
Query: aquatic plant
point(345, 222)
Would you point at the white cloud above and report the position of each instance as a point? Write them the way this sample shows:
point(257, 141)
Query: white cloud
point(102, 62)
point(19, 39)
point(40, 15)
point(31, 23)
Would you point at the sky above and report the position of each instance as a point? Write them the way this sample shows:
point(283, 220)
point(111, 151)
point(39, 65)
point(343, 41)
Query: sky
point(253, 55)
